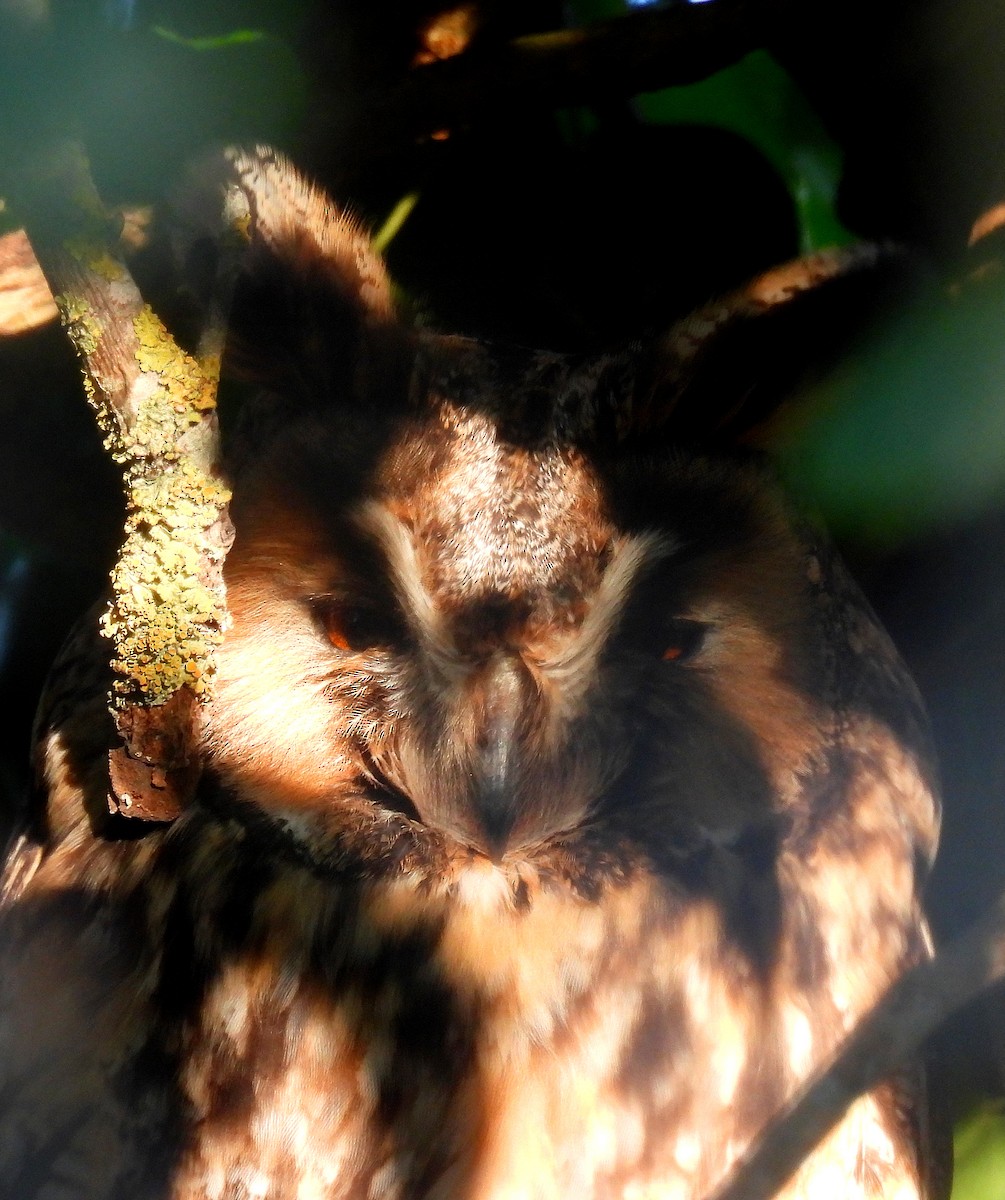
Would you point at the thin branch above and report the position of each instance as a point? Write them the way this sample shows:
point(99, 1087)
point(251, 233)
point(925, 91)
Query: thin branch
point(25, 300)
point(895, 1030)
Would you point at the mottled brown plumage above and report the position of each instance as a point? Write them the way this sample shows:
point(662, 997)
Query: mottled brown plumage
point(563, 804)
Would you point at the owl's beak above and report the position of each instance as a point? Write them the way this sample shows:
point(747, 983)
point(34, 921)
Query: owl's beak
point(507, 698)
point(500, 774)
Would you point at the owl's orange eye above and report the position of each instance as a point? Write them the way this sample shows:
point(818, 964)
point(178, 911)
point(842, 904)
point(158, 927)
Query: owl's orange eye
point(352, 628)
point(685, 639)
point(336, 634)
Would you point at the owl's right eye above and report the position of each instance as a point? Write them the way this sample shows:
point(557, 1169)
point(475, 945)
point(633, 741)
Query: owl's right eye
point(353, 627)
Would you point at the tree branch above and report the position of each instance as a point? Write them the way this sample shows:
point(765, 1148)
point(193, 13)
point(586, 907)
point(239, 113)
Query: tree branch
point(911, 1010)
point(156, 407)
point(25, 300)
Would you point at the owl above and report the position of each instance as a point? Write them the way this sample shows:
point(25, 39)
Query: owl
point(563, 805)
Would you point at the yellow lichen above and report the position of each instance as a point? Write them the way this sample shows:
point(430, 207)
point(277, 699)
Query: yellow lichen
point(80, 323)
point(190, 390)
point(164, 620)
point(92, 254)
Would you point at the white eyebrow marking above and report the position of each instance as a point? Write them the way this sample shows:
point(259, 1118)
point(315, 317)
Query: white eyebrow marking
point(632, 554)
point(572, 668)
point(392, 536)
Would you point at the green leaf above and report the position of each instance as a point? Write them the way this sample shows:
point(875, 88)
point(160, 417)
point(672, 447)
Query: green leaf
point(239, 37)
point(979, 1149)
point(757, 99)
point(909, 435)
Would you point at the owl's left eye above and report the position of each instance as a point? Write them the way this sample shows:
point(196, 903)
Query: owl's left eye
point(683, 639)
point(656, 635)
point(353, 627)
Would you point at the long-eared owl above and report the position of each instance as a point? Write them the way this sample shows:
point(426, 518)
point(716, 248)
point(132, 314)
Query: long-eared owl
point(562, 806)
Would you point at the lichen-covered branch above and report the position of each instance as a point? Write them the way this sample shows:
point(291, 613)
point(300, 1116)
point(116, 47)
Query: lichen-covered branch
point(155, 405)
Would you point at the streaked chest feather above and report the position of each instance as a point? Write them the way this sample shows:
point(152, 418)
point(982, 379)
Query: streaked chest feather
point(586, 1027)
point(497, 1036)
point(471, 1049)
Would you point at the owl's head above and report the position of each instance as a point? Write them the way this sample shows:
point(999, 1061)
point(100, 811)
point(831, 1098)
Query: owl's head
point(481, 601)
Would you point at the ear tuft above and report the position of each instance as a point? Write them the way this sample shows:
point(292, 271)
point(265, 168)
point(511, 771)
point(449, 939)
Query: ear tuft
point(302, 228)
point(291, 276)
point(722, 374)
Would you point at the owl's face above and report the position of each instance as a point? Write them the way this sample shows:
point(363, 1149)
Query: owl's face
point(451, 633)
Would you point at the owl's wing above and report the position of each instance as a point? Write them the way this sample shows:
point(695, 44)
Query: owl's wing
point(72, 1008)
